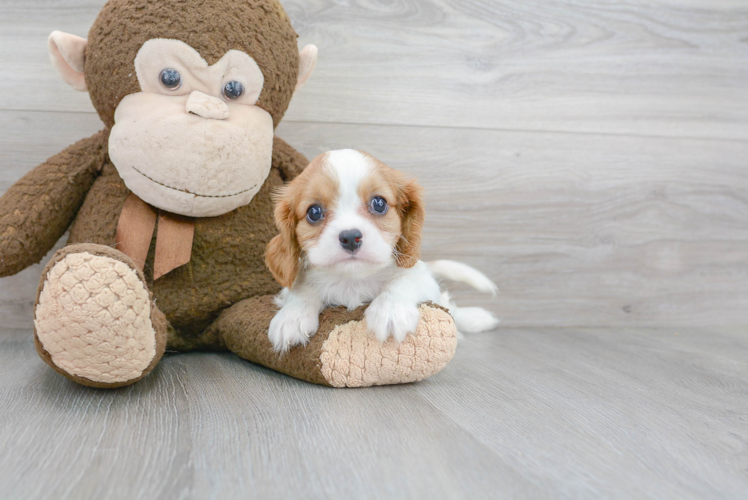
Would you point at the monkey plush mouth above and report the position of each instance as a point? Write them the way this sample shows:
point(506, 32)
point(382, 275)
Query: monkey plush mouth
point(187, 164)
point(190, 192)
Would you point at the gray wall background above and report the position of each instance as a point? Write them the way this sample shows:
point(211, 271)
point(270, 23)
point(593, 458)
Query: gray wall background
point(590, 156)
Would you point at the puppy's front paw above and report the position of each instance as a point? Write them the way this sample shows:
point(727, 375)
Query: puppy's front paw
point(386, 317)
point(292, 326)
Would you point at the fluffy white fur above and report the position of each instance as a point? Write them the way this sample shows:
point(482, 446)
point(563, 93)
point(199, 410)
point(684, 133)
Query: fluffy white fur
point(331, 276)
point(457, 271)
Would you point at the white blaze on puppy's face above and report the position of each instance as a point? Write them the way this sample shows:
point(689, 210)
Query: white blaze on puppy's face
point(193, 142)
point(353, 172)
point(357, 178)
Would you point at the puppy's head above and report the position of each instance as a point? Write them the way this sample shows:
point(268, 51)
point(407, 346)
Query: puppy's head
point(349, 213)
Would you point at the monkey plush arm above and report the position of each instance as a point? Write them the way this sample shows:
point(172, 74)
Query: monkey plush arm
point(286, 159)
point(36, 210)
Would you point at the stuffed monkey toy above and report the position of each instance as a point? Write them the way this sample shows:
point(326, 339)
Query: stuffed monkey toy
point(169, 206)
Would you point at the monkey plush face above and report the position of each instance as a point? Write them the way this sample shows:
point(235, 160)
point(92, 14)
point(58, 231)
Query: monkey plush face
point(192, 92)
point(193, 140)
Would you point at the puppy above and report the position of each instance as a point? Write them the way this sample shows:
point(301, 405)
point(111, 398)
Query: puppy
point(350, 234)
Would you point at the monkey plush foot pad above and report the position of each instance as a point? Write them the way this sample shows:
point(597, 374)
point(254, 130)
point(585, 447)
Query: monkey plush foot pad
point(352, 357)
point(93, 319)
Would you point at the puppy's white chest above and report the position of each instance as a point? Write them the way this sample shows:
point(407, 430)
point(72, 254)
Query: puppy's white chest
point(351, 293)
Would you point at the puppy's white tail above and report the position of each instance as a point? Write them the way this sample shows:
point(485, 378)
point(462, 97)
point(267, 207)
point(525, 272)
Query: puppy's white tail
point(467, 319)
point(462, 273)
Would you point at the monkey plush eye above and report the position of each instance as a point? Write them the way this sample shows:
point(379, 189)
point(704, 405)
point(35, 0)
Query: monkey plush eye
point(233, 90)
point(379, 205)
point(314, 214)
point(171, 79)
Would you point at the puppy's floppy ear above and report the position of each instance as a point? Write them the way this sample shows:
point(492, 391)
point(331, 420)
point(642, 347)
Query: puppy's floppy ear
point(412, 215)
point(282, 253)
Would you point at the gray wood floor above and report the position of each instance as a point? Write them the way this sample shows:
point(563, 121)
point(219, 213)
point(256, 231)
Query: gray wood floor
point(525, 413)
point(590, 156)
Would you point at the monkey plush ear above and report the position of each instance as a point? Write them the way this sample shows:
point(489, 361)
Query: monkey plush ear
point(68, 53)
point(307, 61)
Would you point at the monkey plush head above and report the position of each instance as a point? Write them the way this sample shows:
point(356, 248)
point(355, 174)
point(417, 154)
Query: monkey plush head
point(191, 91)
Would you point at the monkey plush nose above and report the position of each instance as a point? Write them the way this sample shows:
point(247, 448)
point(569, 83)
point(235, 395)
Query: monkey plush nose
point(207, 106)
point(351, 239)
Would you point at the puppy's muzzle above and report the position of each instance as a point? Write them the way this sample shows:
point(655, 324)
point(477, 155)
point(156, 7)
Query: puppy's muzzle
point(351, 239)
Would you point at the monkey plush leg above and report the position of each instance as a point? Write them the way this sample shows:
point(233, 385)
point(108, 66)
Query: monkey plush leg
point(95, 321)
point(342, 353)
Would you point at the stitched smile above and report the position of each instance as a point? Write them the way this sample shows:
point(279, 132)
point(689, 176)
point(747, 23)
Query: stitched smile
point(190, 192)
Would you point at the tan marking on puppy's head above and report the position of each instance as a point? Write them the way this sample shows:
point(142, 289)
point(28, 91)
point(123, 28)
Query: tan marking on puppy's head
point(382, 182)
point(312, 187)
point(404, 219)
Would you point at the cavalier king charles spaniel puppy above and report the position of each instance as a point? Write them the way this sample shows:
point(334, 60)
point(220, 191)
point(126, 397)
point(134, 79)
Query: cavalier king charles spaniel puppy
point(350, 234)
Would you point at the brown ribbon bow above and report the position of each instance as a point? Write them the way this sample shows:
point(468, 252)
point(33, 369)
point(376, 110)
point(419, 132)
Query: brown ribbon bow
point(173, 241)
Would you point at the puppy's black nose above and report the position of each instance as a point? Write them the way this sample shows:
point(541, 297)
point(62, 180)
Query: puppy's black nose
point(351, 239)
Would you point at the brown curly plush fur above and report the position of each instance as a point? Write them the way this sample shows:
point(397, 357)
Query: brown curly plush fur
point(260, 28)
point(227, 252)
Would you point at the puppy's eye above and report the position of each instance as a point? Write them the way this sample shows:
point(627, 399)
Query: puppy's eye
point(314, 214)
point(379, 205)
point(170, 78)
point(233, 90)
